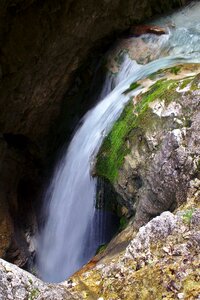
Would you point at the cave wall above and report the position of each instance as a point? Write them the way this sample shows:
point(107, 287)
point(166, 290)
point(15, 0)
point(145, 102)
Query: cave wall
point(44, 43)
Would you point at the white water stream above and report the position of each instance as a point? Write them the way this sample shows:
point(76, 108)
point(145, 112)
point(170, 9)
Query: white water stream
point(68, 239)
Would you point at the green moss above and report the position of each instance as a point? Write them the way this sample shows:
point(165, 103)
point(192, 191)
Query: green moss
point(187, 122)
point(187, 216)
point(132, 87)
point(116, 145)
point(163, 90)
point(159, 73)
point(101, 248)
point(192, 285)
point(175, 70)
point(185, 83)
point(34, 294)
point(123, 223)
point(195, 80)
point(162, 72)
point(198, 165)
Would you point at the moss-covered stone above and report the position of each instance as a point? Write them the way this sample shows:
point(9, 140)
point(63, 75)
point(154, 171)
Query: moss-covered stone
point(175, 70)
point(132, 87)
point(147, 145)
point(139, 116)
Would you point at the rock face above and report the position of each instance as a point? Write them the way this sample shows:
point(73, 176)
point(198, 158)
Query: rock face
point(161, 261)
point(43, 44)
point(17, 284)
point(160, 170)
point(159, 152)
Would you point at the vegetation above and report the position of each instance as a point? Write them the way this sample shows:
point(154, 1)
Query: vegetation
point(101, 248)
point(185, 83)
point(175, 70)
point(187, 216)
point(132, 87)
point(116, 145)
point(198, 165)
point(123, 223)
point(134, 121)
point(34, 294)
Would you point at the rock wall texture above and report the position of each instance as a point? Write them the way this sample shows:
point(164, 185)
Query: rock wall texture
point(160, 146)
point(43, 43)
point(160, 262)
point(18, 284)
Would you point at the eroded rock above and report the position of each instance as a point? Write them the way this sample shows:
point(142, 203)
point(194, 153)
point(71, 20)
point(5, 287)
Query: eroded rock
point(161, 261)
point(160, 147)
point(18, 284)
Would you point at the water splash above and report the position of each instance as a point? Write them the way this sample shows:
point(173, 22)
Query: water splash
point(68, 239)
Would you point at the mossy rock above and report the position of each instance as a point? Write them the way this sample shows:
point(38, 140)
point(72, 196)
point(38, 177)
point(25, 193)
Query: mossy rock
point(134, 119)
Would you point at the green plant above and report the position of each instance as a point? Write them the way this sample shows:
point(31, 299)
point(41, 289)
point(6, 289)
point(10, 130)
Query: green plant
point(132, 87)
point(175, 70)
point(198, 165)
point(187, 216)
point(185, 82)
point(115, 146)
point(123, 223)
point(34, 294)
point(101, 248)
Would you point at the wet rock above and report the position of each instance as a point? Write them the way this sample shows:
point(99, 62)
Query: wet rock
point(144, 29)
point(161, 151)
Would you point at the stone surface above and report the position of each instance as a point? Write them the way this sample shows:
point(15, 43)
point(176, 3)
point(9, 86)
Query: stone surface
point(18, 284)
point(162, 146)
point(161, 261)
point(43, 44)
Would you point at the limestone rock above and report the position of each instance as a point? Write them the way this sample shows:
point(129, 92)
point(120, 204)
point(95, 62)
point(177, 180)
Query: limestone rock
point(161, 261)
point(18, 284)
point(160, 151)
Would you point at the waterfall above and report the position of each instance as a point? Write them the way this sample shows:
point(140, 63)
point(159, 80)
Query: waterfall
point(69, 237)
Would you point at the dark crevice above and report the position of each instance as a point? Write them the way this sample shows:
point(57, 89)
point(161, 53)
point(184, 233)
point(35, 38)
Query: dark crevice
point(18, 141)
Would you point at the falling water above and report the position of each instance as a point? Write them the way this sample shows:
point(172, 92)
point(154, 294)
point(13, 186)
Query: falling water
point(69, 238)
